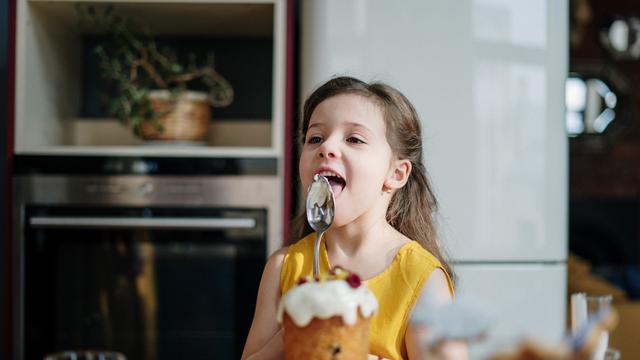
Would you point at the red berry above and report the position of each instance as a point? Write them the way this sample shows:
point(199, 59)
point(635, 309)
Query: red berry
point(354, 281)
point(302, 280)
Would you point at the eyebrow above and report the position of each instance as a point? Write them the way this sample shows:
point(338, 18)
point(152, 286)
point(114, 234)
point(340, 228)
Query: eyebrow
point(348, 123)
point(359, 126)
point(320, 125)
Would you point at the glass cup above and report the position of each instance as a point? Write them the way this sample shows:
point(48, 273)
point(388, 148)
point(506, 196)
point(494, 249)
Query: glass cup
point(597, 307)
point(589, 309)
point(612, 354)
point(86, 355)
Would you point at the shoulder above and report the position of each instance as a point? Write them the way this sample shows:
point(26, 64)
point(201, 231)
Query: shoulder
point(275, 261)
point(420, 266)
point(273, 267)
point(413, 254)
point(438, 285)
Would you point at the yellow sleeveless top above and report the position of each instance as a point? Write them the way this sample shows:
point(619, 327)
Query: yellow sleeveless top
point(397, 289)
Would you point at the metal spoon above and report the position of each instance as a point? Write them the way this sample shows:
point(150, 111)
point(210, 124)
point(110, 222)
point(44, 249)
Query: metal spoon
point(320, 212)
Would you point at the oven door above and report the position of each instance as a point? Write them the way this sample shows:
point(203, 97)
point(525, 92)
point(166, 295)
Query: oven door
point(149, 282)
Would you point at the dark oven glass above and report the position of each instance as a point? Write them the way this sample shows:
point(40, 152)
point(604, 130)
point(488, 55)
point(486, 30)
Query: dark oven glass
point(152, 283)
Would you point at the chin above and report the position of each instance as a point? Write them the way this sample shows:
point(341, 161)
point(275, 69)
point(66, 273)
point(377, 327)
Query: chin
point(340, 221)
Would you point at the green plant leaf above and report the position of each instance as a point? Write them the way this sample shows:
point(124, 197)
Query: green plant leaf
point(131, 61)
point(175, 92)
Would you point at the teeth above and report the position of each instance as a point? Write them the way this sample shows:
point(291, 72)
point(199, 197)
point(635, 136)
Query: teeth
point(329, 173)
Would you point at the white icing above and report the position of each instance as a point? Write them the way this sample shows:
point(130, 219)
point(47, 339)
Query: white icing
point(375, 357)
point(325, 300)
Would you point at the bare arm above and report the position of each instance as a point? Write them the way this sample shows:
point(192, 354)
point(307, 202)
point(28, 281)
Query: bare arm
point(436, 289)
point(265, 336)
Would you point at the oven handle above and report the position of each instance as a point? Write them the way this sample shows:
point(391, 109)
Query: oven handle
point(142, 223)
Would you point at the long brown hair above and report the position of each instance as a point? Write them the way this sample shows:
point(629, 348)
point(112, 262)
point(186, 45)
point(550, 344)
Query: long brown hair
point(413, 207)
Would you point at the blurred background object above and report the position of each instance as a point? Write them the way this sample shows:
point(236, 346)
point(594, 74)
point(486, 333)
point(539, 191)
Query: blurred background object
point(85, 355)
point(446, 330)
point(5, 171)
point(622, 38)
point(604, 181)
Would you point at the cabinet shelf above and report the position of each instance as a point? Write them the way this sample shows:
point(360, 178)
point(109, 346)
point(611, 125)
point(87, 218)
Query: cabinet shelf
point(236, 18)
point(157, 150)
point(50, 84)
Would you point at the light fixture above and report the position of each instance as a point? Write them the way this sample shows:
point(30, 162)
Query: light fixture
point(622, 38)
point(590, 105)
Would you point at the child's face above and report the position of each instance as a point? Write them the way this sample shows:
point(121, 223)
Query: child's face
point(346, 139)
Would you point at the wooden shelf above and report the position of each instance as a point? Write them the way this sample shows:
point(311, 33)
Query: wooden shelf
point(237, 18)
point(49, 76)
point(156, 150)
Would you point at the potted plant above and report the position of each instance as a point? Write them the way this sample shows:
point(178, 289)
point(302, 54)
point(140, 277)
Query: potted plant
point(153, 89)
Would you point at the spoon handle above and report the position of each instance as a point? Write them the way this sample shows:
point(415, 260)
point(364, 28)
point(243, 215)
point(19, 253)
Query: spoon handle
point(316, 254)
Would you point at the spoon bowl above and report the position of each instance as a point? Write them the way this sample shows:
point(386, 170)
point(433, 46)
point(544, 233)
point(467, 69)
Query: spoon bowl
point(320, 208)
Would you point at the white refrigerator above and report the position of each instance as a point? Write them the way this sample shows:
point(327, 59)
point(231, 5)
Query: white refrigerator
point(487, 78)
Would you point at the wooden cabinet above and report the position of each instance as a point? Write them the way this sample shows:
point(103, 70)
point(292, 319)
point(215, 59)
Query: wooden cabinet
point(51, 90)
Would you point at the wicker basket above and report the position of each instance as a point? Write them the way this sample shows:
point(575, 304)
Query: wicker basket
point(185, 118)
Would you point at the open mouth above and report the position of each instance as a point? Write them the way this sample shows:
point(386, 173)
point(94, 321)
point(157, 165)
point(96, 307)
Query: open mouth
point(336, 181)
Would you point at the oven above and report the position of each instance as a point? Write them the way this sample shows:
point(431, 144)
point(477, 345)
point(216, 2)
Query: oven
point(152, 266)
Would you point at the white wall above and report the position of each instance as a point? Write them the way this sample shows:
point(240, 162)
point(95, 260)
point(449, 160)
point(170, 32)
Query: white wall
point(487, 78)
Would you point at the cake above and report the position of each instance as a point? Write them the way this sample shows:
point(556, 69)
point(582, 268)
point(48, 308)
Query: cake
point(327, 317)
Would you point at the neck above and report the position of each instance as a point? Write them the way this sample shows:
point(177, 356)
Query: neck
point(368, 231)
point(359, 235)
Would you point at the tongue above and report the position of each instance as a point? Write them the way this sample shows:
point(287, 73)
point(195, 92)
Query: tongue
point(336, 187)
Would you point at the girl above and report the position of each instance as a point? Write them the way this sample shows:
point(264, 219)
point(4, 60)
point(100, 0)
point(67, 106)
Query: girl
point(366, 139)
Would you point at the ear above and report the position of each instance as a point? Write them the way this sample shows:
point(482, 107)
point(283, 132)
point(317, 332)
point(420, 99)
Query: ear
point(398, 174)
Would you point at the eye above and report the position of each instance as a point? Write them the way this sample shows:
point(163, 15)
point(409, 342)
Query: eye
point(315, 139)
point(355, 140)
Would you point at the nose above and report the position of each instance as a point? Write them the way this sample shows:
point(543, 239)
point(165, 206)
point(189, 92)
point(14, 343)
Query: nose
point(329, 150)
